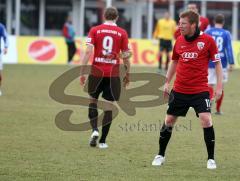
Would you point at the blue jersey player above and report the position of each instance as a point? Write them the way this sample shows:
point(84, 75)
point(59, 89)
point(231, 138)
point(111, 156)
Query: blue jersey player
point(222, 38)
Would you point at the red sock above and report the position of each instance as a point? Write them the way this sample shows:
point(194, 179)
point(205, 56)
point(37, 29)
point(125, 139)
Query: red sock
point(219, 102)
point(211, 92)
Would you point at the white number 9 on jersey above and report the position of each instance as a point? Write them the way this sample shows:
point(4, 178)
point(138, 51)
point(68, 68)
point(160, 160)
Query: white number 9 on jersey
point(107, 45)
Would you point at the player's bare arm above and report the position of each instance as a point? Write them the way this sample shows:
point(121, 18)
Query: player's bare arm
point(218, 68)
point(87, 55)
point(170, 73)
point(126, 56)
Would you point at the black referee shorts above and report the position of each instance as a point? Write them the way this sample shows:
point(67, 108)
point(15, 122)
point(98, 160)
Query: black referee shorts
point(110, 87)
point(165, 45)
point(179, 103)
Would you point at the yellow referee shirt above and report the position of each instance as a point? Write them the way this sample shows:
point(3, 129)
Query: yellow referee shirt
point(165, 29)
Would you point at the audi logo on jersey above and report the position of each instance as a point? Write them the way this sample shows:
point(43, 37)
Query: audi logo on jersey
point(189, 55)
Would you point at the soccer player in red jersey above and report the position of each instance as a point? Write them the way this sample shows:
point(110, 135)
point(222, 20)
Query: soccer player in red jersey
point(108, 42)
point(191, 54)
point(203, 21)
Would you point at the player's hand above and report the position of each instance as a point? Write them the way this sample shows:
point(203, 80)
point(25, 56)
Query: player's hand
point(125, 55)
point(126, 80)
point(166, 90)
point(218, 93)
point(82, 80)
point(5, 50)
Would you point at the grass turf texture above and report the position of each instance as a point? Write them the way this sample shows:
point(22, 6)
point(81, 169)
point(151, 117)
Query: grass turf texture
point(33, 148)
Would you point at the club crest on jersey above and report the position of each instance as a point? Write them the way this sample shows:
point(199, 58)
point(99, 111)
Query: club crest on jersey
point(200, 45)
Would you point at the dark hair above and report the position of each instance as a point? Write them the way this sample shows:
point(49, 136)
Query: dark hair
point(111, 13)
point(219, 19)
point(192, 17)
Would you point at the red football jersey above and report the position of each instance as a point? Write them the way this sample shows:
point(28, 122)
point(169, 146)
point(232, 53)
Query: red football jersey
point(193, 58)
point(203, 24)
point(108, 40)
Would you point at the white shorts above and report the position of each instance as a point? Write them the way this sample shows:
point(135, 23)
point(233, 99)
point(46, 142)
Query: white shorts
point(212, 78)
point(1, 64)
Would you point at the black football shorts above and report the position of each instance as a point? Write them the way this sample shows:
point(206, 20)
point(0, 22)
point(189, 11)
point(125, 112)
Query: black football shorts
point(110, 87)
point(165, 45)
point(179, 103)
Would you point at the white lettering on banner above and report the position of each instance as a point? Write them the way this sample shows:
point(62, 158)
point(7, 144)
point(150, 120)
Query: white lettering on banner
point(104, 60)
point(42, 51)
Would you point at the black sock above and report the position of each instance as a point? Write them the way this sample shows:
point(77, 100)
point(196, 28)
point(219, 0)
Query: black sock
point(209, 138)
point(165, 135)
point(93, 115)
point(107, 120)
point(160, 62)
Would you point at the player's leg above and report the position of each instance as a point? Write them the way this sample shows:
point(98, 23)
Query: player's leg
point(69, 51)
point(212, 80)
point(220, 100)
point(0, 82)
point(201, 104)
point(72, 51)
point(166, 132)
point(165, 135)
point(209, 138)
point(169, 55)
point(1, 67)
point(178, 106)
point(106, 124)
point(160, 59)
point(93, 117)
point(219, 104)
point(93, 113)
point(94, 89)
point(160, 55)
point(111, 93)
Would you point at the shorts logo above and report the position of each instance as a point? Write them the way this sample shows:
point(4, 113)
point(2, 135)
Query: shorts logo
point(189, 55)
point(200, 45)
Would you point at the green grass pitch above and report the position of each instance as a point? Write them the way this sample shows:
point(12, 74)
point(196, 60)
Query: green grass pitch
point(32, 148)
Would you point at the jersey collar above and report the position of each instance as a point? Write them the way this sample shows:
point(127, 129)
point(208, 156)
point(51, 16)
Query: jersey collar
point(110, 23)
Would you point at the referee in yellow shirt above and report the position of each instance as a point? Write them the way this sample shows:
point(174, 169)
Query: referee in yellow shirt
point(164, 31)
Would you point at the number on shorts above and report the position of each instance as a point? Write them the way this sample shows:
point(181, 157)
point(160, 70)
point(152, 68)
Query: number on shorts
point(208, 103)
point(107, 45)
